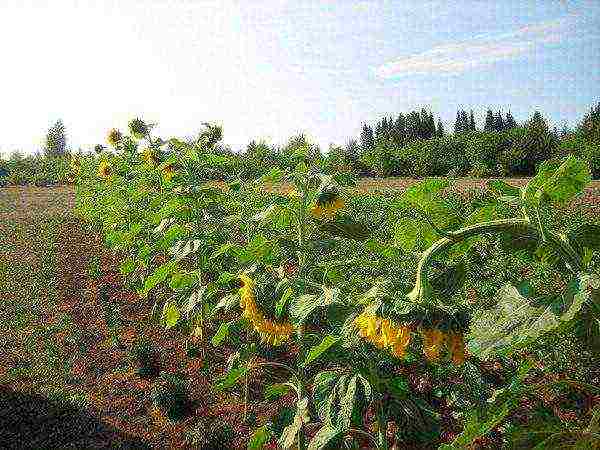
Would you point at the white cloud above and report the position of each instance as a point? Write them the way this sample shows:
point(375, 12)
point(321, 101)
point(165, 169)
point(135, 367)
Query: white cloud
point(480, 51)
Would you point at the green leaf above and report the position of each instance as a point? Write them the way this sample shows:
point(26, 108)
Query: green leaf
point(127, 266)
point(324, 383)
point(586, 236)
point(315, 352)
point(280, 305)
point(557, 182)
point(259, 438)
point(230, 378)
point(504, 189)
point(423, 193)
point(275, 391)
point(483, 214)
point(324, 438)
point(406, 234)
point(515, 322)
point(170, 314)
point(273, 176)
point(182, 280)
point(221, 333)
point(158, 276)
point(227, 303)
point(569, 180)
point(290, 433)
point(345, 226)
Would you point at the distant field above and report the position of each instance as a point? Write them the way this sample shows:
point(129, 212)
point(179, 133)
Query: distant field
point(26, 201)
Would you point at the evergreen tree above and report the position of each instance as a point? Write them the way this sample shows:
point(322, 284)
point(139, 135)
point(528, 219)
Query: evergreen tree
point(498, 122)
point(510, 121)
point(399, 135)
point(367, 139)
point(538, 123)
point(489, 121)
point(440, 129)
point(472, 125)
point(56, 140)
point(458, 123)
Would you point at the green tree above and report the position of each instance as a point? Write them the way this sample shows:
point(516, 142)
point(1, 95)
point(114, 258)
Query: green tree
point(489, 121)
point(56, 140)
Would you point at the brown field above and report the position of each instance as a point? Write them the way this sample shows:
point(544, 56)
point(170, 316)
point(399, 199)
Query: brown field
point(29, 201)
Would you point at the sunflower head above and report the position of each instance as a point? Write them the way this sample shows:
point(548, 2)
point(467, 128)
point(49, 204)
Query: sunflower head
point(138, 128)
point(168, 171)
point(104, 169)
point(327, 203)
point(114, 137)
point(149, 156)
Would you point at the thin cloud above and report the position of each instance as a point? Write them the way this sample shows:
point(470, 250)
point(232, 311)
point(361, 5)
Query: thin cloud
point(480, 51)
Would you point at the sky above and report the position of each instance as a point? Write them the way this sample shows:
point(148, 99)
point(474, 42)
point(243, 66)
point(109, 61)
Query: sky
point(271, 69)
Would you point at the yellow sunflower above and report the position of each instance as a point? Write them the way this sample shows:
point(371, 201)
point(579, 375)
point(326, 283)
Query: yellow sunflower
point(104, 169)
point(456, 345)
point(149, 157)
point(327, 209)
point(433, 341)
point(168, 171)
point(114, 137)
point(270, 332)
point(383, 333)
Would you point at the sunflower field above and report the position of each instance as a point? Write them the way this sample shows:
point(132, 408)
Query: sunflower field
point(424, 319)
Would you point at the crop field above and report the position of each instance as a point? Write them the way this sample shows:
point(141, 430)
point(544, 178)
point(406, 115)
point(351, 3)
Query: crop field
point(144, 307)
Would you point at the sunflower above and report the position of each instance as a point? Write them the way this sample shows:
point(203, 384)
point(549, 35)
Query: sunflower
point(456, 345)
point(327, 209)
point(114, 137)
point(138, 128)
point(104, 169)
point(270, 332)
point(433, 341)
point(383, 333)
point(149, 157)
point(168, 171)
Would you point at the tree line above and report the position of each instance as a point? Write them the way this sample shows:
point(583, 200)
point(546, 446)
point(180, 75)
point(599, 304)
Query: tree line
point(413, 144)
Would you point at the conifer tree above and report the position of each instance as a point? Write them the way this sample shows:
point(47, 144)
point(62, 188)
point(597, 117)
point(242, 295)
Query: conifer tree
point(56, 140)
point(489, 121)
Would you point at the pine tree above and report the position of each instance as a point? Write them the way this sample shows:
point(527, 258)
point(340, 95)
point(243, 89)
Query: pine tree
point(472, 125)
point(399, 134)
point(458, 123)
point(489, 121)
point(510, 121)
point(498, 122)
point(367, 140)
point(440, 129)
point(56, 140)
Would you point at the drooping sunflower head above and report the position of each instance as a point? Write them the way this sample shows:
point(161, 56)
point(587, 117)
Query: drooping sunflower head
point(168, 171)
point(114, 137)
point(149, 156)
point(270, 331)
point(138, 128)
point(104, 169)
point(383, 333)
point(327, 204)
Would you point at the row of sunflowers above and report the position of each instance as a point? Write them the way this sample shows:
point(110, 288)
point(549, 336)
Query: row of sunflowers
point(214, 257)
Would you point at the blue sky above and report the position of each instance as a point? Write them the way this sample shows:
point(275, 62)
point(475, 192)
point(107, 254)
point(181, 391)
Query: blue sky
point(270, 69)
